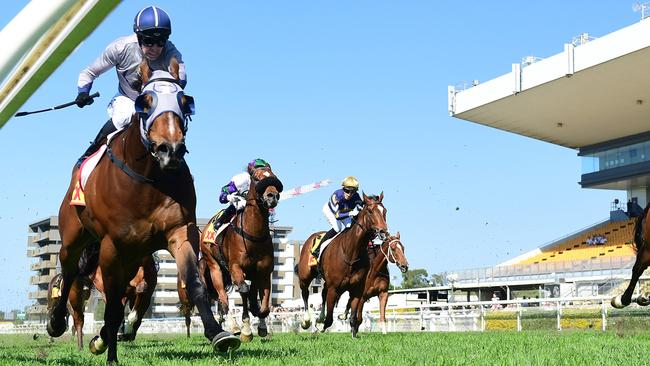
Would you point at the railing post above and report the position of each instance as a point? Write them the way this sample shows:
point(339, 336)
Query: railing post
point(559, 315)
point(518, 317)
point(604, 313)
point(482, 318)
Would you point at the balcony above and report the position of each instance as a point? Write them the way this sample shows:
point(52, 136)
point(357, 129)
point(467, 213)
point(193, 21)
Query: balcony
point(42, 264)
point(41, 294)
point(37, 309)
point(47, 249)
point(37, 280)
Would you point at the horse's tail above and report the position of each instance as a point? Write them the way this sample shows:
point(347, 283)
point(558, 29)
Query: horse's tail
point(89, 259)
point(639, 243)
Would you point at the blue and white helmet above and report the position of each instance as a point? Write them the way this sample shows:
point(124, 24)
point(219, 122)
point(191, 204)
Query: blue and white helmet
point(152, 21)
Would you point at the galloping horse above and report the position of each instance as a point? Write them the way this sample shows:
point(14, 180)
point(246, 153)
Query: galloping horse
point(139, 199)
point(378, 278)
point(344, 263)
point(138, 296)
point(245, 252)
point(641, 241)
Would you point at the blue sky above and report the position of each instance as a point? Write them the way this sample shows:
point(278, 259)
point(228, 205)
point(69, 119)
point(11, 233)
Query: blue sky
point(326, 89)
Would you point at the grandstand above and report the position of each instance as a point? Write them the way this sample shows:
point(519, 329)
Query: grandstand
point(581, 91)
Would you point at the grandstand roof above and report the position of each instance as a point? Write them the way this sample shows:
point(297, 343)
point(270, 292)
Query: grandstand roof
point(576, 98)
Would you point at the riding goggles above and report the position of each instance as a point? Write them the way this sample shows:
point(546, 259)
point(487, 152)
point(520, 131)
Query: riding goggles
point(150, 41)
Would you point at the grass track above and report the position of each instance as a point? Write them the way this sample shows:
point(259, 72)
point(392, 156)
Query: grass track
point(488, 348)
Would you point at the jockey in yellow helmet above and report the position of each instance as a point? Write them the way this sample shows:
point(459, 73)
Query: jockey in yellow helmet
point(344, 204)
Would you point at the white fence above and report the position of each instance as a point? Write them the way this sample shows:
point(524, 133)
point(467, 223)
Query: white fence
point(436, 317)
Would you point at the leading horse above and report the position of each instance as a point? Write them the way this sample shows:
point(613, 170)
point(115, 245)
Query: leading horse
point(140, 198)
point(378, 278)
point(344, 262)
point(641, 244)
point(244, 251)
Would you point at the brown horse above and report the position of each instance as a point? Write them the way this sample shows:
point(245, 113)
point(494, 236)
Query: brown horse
point(344, 263)
point(378, 278)
point(139, 199)
point(244, 251)
point(138, 296)
point(641, 241)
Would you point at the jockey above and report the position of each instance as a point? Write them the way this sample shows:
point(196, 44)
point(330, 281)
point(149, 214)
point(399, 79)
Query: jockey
point(341, 208)
point(152, 27)
point(235, 191)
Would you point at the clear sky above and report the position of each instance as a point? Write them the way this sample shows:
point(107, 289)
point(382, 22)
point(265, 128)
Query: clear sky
point(326, 89)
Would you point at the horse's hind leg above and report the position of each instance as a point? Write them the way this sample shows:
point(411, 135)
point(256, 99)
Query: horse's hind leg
point(76, 301)
point(143, 292)
point(640, 265)
point(74, 240)
point(344, 316)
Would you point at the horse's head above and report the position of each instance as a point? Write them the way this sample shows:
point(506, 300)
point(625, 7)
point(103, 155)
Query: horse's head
point(393, 249)
point(267, 186)
point(373, 215)
point(164, 110)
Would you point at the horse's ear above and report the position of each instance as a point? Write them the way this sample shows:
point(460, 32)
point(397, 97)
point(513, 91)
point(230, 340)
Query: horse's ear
point(365, 198)
point(381, 196)
point(145, 72)
point(173, 68)
point(397, 236)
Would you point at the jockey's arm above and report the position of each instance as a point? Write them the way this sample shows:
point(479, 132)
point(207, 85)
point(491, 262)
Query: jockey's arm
point(225, 191)
point(107, 60)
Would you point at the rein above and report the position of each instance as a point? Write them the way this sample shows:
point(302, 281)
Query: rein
point(124, 167)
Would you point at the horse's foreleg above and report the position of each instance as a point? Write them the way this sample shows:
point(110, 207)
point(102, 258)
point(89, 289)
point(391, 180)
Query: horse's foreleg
point(184, 245)
point(246, 331)
point(640, 265)
point(383, 300)
point(239, 278)
point(217, 281)
point(356, 306)
point(332, 296)
point(265, 295)
point(69, 258)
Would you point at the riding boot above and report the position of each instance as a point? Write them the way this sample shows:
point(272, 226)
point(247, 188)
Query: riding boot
point(328, 235)
point(106, 130)
point(226, 215)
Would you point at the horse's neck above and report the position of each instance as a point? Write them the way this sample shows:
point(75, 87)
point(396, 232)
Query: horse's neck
point(359, 238)
point(380, 263)
point(256, 221)
point(128, 146)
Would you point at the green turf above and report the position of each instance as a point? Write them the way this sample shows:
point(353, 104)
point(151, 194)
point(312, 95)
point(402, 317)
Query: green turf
point(488, 348)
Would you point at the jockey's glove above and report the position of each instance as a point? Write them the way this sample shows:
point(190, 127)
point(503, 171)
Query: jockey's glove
point(354, 212)
point(83, 99)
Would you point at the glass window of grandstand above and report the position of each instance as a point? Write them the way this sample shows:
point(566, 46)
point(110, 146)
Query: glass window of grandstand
point(614, 158)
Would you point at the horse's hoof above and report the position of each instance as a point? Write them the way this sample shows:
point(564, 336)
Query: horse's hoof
point(320, 327)
point(132, 318)
point(225, 342)
point(643, 300)
point(617, 302)
point(97, 345)
point(262, 332)
point(127, 337)
point(305, 324)
point(246, 337)
point(342, 317)
point(56, 329)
